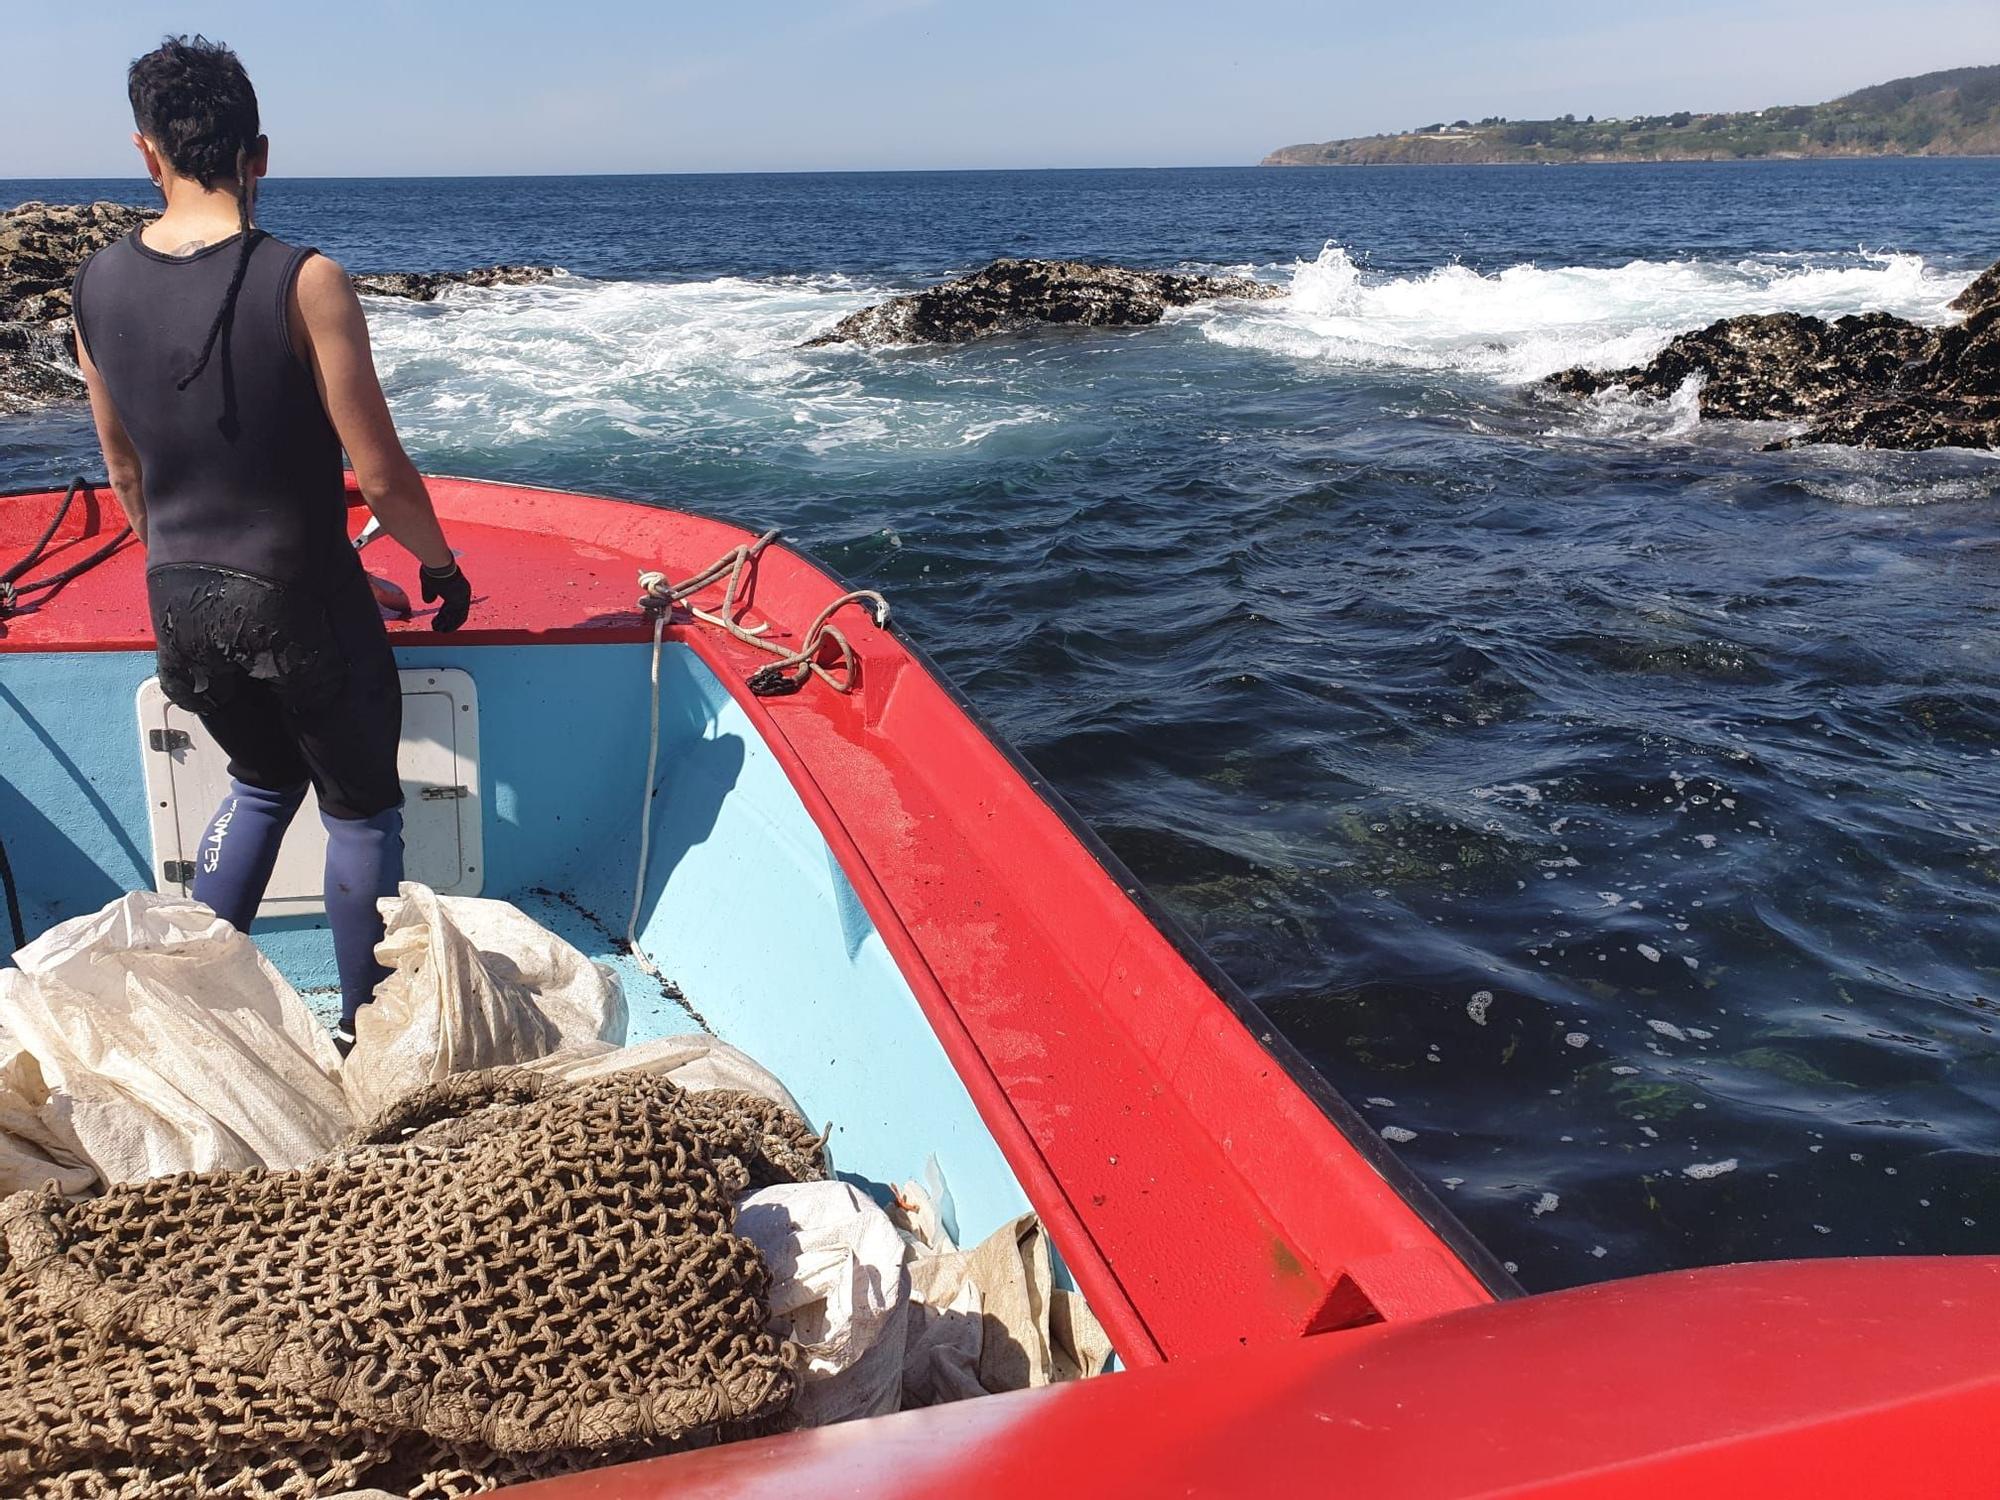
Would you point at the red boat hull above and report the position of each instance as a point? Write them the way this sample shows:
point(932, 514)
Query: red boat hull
point(1825, 1380)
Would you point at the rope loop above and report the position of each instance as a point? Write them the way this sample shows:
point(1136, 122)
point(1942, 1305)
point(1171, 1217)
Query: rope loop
point(823, 650)
point(13, 586)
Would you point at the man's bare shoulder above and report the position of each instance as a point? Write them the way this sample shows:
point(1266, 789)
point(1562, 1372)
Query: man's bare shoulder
point(323, 280)
point(323, 305)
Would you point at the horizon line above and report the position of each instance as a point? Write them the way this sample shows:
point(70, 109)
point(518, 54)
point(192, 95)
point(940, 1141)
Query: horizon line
point(1224, 166)
point(1257, 166)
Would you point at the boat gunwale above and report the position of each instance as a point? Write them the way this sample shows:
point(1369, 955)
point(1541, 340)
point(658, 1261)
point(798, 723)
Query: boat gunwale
point(1302, 1071)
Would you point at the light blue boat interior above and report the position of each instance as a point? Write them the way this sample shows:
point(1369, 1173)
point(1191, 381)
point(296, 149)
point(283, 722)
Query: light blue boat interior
point(745, 908)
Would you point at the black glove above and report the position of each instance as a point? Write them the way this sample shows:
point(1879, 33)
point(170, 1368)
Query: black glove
point(450, 585)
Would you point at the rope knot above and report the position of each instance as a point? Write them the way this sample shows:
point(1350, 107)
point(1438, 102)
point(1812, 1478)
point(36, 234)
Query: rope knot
point(655, 593)
point(786, 675)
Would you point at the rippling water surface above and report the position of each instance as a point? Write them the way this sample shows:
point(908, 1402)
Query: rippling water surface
point(1606, 802)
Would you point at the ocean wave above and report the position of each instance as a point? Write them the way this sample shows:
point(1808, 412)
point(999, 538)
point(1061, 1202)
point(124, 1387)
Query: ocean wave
point(715, 367)
point(712, 365)
point(1529, 321)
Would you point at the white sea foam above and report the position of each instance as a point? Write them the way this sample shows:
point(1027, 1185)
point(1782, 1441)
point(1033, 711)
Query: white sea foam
point(1529, 321)
point(715, 364)
point(715, 369)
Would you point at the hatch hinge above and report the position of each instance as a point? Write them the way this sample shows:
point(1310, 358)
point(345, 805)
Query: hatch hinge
point(444, 793)
point(168, 740)
point(177, 871)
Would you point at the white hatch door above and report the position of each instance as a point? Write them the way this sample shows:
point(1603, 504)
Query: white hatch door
point(187, 777)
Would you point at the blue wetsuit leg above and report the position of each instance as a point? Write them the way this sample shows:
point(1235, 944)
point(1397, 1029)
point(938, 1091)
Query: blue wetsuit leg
point(364, 862)
point(234, 860)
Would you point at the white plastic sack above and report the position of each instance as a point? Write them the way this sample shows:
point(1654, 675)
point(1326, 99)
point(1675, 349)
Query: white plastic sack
point(167, 1043)
point(31, 1152)
point(477, 984)
point(695, 1062)
point(839, 1289)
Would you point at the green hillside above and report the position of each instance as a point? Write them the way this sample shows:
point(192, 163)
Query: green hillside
point(1955, 112)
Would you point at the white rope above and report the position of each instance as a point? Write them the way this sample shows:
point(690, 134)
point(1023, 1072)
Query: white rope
point(790, 671)
point(646, 805)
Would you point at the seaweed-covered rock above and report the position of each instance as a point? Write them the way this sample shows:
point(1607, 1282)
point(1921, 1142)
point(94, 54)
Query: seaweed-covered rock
point(1984, 292)
point(1870, 381)
point(1011, 295)
point(1769, 366)
point(424, 286)
point(42, 244)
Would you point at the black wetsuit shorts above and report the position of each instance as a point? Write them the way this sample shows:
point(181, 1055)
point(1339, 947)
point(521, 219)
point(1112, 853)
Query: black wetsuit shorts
point(296, 683)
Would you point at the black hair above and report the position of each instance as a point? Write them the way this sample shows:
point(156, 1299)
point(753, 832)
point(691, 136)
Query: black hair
point(192, 99)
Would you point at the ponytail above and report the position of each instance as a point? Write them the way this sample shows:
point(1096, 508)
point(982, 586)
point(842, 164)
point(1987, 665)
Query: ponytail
point(222, 313)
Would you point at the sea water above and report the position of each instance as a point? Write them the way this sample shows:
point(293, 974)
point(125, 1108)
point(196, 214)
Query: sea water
point(1606, 802)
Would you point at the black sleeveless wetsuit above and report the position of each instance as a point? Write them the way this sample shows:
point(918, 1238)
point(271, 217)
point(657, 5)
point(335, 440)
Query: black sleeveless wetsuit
point(264, 620)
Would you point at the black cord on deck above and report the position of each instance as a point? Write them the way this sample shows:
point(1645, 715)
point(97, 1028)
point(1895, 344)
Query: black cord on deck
point(13, 592)
point(13, 899)
point(34, 553)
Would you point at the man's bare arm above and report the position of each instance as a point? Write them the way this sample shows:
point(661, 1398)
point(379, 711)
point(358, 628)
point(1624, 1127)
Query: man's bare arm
point(121, 459)
point(328, 323)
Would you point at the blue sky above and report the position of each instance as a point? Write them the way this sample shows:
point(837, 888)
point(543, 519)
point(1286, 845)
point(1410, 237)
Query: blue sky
point(370, 87)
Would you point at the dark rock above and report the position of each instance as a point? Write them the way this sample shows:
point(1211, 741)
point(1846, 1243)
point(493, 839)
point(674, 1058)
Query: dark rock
point(1011, 295)
point(1984, 292)
point(1871, 381)
point(35, 367)
point(424, 286)
point(42, 244)
point(1768, 366)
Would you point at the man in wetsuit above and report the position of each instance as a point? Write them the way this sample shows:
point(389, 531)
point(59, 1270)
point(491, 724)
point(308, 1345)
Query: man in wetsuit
point(227, 372)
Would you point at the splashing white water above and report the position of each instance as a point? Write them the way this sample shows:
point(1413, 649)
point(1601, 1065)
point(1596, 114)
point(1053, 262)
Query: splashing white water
point(711, 365)
point(714, 369)
point(1528, 322)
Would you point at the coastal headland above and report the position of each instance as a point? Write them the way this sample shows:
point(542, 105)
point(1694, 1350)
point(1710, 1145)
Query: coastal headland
point(1955, 112)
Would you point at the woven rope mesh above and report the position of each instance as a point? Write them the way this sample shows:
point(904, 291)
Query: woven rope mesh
point(500, 1278)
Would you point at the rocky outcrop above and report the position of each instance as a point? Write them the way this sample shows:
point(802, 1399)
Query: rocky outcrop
point(1870, 381)
point(1011, 295)
point(424, 286)
point(42, 244)
point(1984, 292)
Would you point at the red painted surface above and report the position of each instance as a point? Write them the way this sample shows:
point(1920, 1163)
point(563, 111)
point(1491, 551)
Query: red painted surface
point(1827, 1379)
point(1203, 1201)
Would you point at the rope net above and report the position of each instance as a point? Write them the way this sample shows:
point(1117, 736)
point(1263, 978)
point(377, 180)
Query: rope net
point(501, 1278)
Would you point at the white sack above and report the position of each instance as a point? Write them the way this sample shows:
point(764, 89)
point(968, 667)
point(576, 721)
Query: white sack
point(839, 1289)
point(695, 1062)
point(168, 1043)
point(477, 984)
point(31, 1152)
point(991, 1319)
